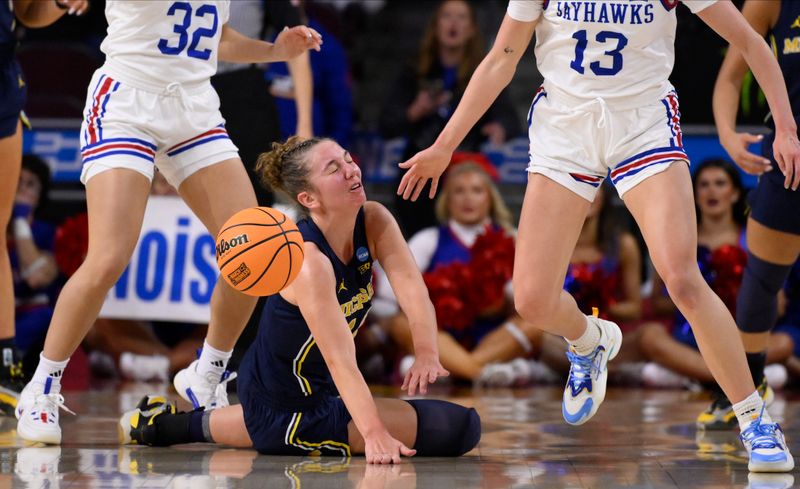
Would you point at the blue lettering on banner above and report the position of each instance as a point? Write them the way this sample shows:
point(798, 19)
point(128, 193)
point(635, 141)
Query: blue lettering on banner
point(145, 291)
point(150, 270)
point(204, 253)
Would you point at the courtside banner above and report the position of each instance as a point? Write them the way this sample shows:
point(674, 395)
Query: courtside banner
point(173, 269)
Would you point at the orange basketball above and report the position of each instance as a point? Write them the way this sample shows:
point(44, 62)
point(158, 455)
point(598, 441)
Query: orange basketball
point(259, 251)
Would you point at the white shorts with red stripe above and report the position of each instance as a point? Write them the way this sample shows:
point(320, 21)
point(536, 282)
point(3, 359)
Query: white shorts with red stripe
point(579, 143)
point(130, 125)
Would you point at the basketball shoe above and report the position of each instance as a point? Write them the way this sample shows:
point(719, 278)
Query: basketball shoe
point(136, 426)
point(12, 381)
point(37, 412)
point(586, 385)
point(202, 391)
point(766, 446)
point(720, 416)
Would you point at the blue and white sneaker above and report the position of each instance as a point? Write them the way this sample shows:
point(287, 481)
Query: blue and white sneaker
point(201, 391)
point(767, 447)
point(586, 385)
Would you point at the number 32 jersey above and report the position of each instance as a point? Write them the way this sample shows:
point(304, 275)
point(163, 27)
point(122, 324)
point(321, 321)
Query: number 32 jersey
point(160, 42)
point(620, 50)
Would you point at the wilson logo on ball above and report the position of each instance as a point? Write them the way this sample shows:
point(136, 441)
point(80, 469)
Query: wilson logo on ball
point(223, 246)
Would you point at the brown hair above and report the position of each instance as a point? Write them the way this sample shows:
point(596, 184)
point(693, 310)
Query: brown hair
point(284, 168)
point(498, 211)
point(429, 48)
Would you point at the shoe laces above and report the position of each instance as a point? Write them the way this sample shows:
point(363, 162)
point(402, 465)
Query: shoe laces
point(580, 372)
point(53, 402)
point(762, 435)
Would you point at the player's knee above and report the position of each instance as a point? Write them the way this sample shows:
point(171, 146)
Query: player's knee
point(445, 429)
point(104, 269)
point(684, 285)
point(756, 307)
point(535, 305)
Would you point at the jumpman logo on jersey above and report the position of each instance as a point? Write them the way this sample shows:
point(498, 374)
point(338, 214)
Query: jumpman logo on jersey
point(796, 23)
point(341, 287)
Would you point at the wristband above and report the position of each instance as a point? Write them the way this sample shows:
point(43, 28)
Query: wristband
point(22, 230)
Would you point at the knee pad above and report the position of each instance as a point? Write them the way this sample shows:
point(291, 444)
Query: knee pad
point(757, 304)
point(445, 429)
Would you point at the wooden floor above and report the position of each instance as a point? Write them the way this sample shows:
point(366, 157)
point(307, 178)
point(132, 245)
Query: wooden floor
point(639, 438)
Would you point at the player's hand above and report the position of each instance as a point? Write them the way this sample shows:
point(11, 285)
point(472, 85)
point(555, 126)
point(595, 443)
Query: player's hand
point(787, 154)
point(736, 144)
point(382, 448)
point(426, 370)
point(293, 42)
point(426, 165)
point(74, 7)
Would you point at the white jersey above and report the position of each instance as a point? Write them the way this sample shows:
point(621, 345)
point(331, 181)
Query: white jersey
point(160, 42)
point(621, 51)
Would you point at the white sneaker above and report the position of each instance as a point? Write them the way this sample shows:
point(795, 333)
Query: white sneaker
point(37, 413)
point(496, 375)
point(144, 368)
point(776, 375)
point(586, 385)
point(202, 391)
point(655, 375)
point(767, 447)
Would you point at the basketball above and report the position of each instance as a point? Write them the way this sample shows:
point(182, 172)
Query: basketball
point(259, 251)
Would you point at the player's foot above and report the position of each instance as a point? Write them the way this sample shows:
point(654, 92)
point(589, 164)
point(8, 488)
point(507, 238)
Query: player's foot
point(767, 447)
point(136, 426)
point(586, 385)
point(37, 412)
point(201, 391)
point(12, 381)
point(720, 416)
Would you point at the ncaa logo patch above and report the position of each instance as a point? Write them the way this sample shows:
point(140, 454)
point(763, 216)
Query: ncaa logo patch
point(362, 254)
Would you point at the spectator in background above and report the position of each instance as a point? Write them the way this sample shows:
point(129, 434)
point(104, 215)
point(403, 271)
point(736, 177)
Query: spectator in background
point(721, 255)
point(332, 108)
point(425, 95)
point(30, 246)
point(466, 261)
point(789, 319)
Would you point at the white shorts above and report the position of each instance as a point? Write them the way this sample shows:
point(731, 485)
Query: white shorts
point(578, 144)
point(180, 130)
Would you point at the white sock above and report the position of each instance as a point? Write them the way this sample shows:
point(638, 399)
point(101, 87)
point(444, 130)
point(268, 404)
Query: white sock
point(588, 341)
point(749, 409)
point(48, 373)
point(212, 362)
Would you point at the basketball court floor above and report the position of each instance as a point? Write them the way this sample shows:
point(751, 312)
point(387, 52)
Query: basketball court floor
point(639, 438)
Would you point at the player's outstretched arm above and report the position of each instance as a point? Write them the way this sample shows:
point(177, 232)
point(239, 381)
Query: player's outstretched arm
point(490, 78)
point(732, 26)
point(41, 13)
point(303, 81)
point(322, 313)
point(405, 278)
point(761, 16)
point(290, 43)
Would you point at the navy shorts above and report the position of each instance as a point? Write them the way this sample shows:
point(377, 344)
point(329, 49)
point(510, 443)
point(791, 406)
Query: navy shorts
point(770, 203)
point(315, 427)
point(13, 92)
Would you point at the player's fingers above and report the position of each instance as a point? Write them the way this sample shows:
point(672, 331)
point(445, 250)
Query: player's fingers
point(432, 376)
point(404, 182)
point(410, 187)
point(434, 187)
point(796, 172)
point(408, 164)
point(396, 457)
point(752, 138)
point(443, 372)
point(407, 452)
point(753, 164)
point(419, 187)
point(423, 384)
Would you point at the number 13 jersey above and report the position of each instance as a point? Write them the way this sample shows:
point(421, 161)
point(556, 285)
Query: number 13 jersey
point(162, 42)
point(622, 51)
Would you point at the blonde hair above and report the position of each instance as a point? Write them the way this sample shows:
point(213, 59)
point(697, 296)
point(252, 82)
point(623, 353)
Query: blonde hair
point(498, 211)
point(284, 168)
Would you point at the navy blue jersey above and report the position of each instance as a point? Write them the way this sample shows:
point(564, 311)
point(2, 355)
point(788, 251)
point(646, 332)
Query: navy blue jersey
point(284, 366)
point(785, 40)
point(7, 39)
